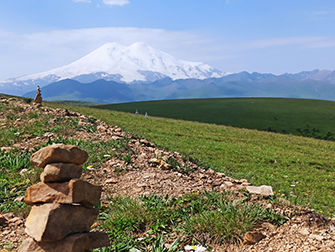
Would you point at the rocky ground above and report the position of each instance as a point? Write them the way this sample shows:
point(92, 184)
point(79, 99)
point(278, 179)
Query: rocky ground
point(305, 231)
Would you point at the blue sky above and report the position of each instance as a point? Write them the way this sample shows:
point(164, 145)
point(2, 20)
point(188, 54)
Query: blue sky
point(267, 36)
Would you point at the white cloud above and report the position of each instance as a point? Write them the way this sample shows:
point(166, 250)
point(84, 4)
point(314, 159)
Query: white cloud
point(320, 13)
point(22, 54)
point(115, 2)
point(107, 2)
point(86, 1)
point(303, 42)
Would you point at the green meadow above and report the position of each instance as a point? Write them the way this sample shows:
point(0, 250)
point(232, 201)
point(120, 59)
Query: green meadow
point(300, 169)
point(311, 118)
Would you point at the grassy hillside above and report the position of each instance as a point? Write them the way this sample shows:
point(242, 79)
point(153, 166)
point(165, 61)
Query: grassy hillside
point(312, 118)
point(299, 169)
point(181, 216)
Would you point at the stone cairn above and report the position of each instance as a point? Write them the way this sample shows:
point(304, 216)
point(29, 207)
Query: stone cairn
point(38, 98)
point(62, 215)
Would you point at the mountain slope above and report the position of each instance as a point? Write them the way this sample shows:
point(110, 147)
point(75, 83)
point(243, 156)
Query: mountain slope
point(136, 63)
point(235, 85)
point(319, 75)
point(97, 91)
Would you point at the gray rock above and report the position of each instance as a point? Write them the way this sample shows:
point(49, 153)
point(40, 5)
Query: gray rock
point(260, 190)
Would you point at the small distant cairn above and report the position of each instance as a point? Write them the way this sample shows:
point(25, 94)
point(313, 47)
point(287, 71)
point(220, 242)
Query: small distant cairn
point(38, 98)
point(62, 215)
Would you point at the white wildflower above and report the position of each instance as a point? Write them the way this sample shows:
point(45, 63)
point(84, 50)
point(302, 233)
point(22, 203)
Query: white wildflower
point(197, 248)
point(90, 168)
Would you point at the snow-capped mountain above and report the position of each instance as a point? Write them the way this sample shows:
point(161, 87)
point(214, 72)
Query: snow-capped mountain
point(136, 63)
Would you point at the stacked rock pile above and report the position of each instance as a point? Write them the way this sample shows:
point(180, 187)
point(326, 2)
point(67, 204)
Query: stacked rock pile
point(38, 98)
point(62, 213)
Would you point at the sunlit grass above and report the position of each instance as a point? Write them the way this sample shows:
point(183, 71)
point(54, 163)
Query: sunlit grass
point(267, 158)
point(211, 216)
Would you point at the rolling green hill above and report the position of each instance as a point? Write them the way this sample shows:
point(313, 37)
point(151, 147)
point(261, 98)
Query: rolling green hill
point(264, 158)
point(311, 118)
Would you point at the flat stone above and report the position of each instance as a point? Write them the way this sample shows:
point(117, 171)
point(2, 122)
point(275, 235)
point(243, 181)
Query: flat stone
point(229, 184)
point(317, 237)
point(285, 201)
point(72, 243)
point(6, 149)
point(52, 222)
point(304, 231)
point(269, 226)
point(159, 162)
point(15, 219)
point(253, 237)
point(23, 172)
point(60, 172)
point(18, 199)
point(8, 216)
point(58, 153)
point(73, 191)
point(112, 181)
point(261, 190)
point(3, 219)
point(101, 128)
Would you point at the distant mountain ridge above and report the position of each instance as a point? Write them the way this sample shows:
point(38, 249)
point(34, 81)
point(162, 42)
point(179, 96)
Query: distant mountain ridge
point(136, 63)
point(241, 84)
point(98, 91)
point(319, 75)
point(115, 73)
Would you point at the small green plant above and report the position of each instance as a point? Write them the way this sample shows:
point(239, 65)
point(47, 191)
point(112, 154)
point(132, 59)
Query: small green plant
point(127, 158)
point(11, 117)
point(17, 109)
point(124, 215)
point(91, 128)
point(159, 246)
point(12, 184)
point(171, 161)
point(208, 214)
point(227, 220)
point(27, 99)
point(92, 120)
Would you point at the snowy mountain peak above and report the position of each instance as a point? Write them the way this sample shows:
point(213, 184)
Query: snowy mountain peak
point(138, 62)
point(139, 45)
point(130, 62)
